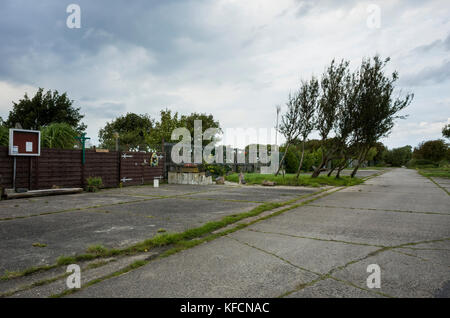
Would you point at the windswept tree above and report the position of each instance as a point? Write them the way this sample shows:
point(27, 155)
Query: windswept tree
point(289, 126)
point(346, 121)
point(307, 100)
point(332, 91)
point(44, 109)
point(446, 131)
point(376, 108)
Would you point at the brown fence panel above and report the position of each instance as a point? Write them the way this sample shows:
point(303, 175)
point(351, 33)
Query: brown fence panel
point(58, 167)
point(63, 168)
point(104, 165)
point(6, 168)
point(136, 168)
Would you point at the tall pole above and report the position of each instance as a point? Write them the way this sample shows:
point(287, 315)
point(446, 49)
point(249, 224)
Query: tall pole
point(276, 128)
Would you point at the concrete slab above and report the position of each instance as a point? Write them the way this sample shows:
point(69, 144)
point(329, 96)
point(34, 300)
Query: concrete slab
point(32, 206)
point(112, 226)
point(257, 193)
point(330, 288)
point(362, 226)
point(314, 255)
point(401, 275)
point(221, 268)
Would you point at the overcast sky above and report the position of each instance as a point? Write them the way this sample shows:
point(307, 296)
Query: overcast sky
point(235, 59)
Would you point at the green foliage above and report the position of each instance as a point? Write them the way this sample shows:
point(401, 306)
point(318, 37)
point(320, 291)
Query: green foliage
point(44, 109)
point(164, 127)
point(433, 150)
point(58, 135)
point(133, 131)
point(437, 172)
point(94, 184)
point(397, 157)
point(216, 170)
point(168, 122)
point(291, 160)
point(292, 180)
point(4, 135)
point(446, 131)
point(421, 163)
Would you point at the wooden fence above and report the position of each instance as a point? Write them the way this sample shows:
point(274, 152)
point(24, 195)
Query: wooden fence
point(64, 168)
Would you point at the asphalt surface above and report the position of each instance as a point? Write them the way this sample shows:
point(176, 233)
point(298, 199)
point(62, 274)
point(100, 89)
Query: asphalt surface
point(69, 224)
point(399, 221)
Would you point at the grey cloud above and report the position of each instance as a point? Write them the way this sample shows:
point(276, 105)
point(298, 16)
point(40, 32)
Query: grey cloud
point(104, 110)
point(440, 44)
point(429, 75)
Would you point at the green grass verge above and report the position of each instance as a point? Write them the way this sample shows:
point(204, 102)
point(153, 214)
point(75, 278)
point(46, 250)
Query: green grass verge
point(291, 180)
point(443, 172)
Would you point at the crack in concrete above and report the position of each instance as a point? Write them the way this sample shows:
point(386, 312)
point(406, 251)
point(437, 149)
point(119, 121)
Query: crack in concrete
point(374, 209)
point(317, 238)
point(320, 277)
point(339, 268)
point(152, 197)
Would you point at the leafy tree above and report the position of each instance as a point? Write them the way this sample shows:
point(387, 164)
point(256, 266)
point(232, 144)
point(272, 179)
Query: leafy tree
point(4, 135)
point(44, 109)
point(446, 131)
point(207, 122)
point(397, 157)
point(434, 150)
point(307, 99)
point(168, 122)
point(381, 148)
point(58, 135)
point(332, 91)
point(164, 127)
point(133, 132)
point(376, 107)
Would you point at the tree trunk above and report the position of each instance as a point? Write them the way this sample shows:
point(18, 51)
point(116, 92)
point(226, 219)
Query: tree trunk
point(301, 159)
point(325, 159)
point(361, 157)
point(341, 167)
point(331, 171)
point(282, 159)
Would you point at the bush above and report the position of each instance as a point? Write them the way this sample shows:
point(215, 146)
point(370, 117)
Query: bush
point(215, 170)
point(58, 135)
point(397, 157)
point(94, 184)
point(433, 150)
point(421, 163)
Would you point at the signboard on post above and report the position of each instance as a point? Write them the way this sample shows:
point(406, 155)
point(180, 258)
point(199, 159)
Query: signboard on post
point(24, 142)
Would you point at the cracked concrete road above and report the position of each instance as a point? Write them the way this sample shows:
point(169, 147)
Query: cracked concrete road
point(399, 220)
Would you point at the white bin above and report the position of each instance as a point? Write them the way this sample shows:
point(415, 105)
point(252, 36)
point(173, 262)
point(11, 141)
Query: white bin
point(156, 183)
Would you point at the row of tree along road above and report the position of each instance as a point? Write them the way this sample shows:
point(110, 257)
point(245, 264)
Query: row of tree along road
point(351, 111)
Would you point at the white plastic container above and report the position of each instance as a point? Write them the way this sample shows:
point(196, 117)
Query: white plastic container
point(155, 183)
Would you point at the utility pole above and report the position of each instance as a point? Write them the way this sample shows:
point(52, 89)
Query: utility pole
point(276, 128)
